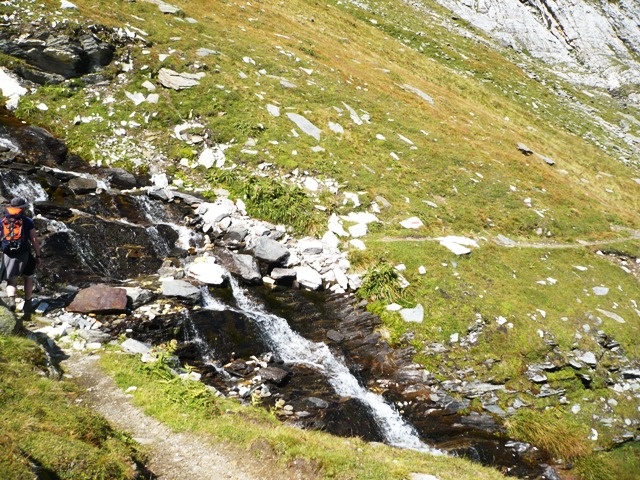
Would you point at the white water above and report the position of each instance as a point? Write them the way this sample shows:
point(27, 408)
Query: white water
point(20, 186)
point(158, 216)
point(293, 348)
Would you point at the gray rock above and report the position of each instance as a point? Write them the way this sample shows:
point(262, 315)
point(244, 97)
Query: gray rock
point(181, 289)
point(81, 185)
point(589, 358)
point(283, 274)
point(179, 81)
point(475, 389)
point(247, 268)
point(315, 402)
point(120, 178)
point(139, 296)
point(335, 336)
point(305, 125)
point(235, 235)
point(496, 410)
point(270, 251)
point(95, 336)
point(134, 346)
point(524, 149)
point(547, 160)
point(635, 373)
point(7, 321)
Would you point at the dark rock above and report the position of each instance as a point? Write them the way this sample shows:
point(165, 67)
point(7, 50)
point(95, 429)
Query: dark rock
point(120, 178)
point(480, 421)
point(52, 210)
point(335, 336)
point(274, 375)
point(99, 299)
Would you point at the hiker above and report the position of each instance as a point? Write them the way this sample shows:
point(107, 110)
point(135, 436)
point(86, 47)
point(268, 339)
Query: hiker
point(19, 236)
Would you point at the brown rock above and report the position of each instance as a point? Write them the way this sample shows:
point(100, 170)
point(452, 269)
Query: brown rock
point(99, 299)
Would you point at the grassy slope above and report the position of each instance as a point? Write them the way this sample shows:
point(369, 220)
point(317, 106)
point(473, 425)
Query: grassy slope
point(41, 425)
point(465, 160)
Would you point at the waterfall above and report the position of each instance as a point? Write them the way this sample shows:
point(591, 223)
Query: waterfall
point(156, 215)
point(81, 245)
point(295, 349)
point(18, 185)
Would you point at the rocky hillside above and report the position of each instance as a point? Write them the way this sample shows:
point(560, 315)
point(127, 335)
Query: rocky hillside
point(473, 168)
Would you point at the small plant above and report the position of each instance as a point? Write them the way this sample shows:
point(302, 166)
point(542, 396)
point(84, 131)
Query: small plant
point(381, 283)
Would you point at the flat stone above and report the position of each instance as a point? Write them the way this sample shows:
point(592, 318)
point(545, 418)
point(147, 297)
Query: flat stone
point(99, 299)
point(305, 125)
point(134, 346)
point(308, 277)
point(179, 81)
point(274, 375)
point(181, 289)
point(412, 223)
point(206, 270)
point(589, 358)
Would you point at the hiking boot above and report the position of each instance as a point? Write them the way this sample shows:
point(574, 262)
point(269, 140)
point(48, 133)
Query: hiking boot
point(28, 306)
point(11, 303)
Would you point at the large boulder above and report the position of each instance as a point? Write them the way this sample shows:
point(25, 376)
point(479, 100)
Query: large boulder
point(181, 289)
point(99, 299)
point(270, 251)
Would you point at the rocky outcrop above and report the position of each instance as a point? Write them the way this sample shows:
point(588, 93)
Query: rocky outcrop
point(51, 56)
point(595, 43)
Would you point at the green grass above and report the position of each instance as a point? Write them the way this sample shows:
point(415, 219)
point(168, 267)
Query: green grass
point(41, 425)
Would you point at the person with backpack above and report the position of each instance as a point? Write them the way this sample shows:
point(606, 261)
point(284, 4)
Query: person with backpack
point(19, 237)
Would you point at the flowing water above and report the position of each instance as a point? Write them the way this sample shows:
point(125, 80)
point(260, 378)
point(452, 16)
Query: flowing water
point(295, 349)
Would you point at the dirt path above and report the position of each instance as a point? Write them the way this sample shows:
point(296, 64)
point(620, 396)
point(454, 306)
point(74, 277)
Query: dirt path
point(172, 456)
point(634, 235)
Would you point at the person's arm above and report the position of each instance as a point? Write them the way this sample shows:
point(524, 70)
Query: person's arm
point(35, 242)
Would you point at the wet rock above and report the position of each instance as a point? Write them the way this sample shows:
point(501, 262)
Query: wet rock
point(247, 267)
point(99, 299)
point(181, 289)
point(275, 375)
point(480, 421)
point(270, 251)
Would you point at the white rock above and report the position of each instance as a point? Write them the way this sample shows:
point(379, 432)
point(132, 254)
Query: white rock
point(137, 98)
point(331, 240)
point(575, 409)
point(42, 107)
point(358, 244)
point(455, 247)
point(205, 270)
point(11, 88)
point(413, 222)
point(65, 4)
point(612, 315)
point(414, 315)
point(360, 217)
point(341, 278)
point(358, 230)
point(273, 110)
point(355, 118)
point(311, 184)
point(335, 226)
point(454, 337)
point(589, 358)
point(213, 156)
point(420, 93)
point(600, 291)
point(336, 128)
point(422, 270)
point(308, 277)
point(160, 180)
point(394, 307)
point(305, 125)
point(149, 86)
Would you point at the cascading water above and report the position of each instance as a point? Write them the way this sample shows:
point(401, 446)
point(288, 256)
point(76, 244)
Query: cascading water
point(295, 349)
point(81, 246)
point(17, 185)
point(156, 215)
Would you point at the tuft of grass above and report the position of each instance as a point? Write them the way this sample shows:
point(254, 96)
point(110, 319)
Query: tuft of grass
point(380, 283)
point(552, 432)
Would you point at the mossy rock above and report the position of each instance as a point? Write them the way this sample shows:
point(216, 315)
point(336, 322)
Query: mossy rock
point(8, 321)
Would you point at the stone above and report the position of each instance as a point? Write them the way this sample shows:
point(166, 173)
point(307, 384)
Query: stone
point(309, 246)
point(11, 89)
point(524, 149)
point(273, 110)
point(181, 289)
point(206, 270)
point(305, 125)
point(99, 299)
point(613, 316)
point(94, 336)
point(283, 274)
point(420, 93)
point(600, 291)
point(335, 336)
point(179, 81)
point(134, 346)
point(81, 185)
point(308, 277)
point(247, 267)
point(315, 402)
point(412, 223)
point(358, 230)
point(270, 251)
point(235, 234)
point(8, 321)
point(120, 178)
point(414, 315)
point(215, 212)
point(275, 375)
point(589, 358)
point(138, 296)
